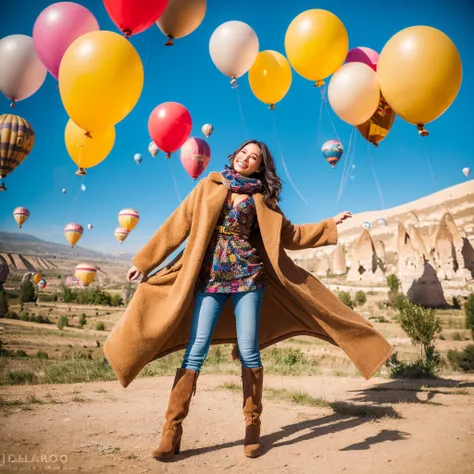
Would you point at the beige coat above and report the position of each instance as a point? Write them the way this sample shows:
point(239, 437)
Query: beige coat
point(157, 320)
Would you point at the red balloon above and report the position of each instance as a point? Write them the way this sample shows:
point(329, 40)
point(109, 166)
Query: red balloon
point(169, 126)
point(134, 16)
point(195, 156)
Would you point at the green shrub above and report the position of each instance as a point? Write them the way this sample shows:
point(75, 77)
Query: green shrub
point(116, 300)
point(12, 315)
point(82, 320)
point(63, 321)
point(360, 298)
point(469, 312)
point(24, 316)
point(455, 303)
point(42, 355)
point(345, 297)
point(464, 359)
point(393, 283)
point(100, 326)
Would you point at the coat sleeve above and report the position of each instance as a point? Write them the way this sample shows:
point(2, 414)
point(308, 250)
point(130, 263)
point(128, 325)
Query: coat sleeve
point(169, 236)
point(307, 236)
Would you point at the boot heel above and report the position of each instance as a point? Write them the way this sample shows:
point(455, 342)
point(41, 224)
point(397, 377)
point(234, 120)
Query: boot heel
point(177, 449)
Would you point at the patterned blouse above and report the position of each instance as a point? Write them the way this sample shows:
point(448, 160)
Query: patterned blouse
point(231, 264)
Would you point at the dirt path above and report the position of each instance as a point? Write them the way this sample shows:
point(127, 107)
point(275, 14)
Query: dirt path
point(103, 428)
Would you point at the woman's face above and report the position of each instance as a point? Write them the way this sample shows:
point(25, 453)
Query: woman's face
point(248, 160)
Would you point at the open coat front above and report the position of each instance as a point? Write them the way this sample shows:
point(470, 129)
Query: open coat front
point(158, 318)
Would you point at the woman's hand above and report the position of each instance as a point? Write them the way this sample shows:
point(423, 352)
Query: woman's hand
point(342, 217)
point(133, 274)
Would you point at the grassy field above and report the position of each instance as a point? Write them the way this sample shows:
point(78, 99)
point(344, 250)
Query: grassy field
point(36, 353)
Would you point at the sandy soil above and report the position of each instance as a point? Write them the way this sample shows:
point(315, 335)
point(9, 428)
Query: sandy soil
point(103, 428)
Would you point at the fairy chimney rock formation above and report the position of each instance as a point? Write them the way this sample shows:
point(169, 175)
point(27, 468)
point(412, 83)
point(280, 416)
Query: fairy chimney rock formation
point(365, 264)
point(416, 273)
point(323, 267)
point(338, 266)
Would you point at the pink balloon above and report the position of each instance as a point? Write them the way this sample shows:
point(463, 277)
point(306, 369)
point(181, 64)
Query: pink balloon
point(195, 156)
point(56, 27)
point(363, 55)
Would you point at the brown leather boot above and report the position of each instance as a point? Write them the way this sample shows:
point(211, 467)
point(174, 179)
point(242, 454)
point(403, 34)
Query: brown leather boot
point(178, 408)
point(252, 384)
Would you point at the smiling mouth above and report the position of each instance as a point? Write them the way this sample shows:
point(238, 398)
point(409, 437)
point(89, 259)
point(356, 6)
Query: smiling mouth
point(242, 164)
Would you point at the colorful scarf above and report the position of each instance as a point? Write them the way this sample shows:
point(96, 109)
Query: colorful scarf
point(238, 183)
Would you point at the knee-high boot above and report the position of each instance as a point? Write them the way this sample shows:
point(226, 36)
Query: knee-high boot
point(178, 408)
point(252, 385)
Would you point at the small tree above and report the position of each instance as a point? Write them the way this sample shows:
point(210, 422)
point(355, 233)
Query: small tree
point(345, 298)
point(63, 321)
point(393, 283)
point(3, 303)
point(469, 312)
point(100, 326)
point(360, 298)
point(82, 320)
point(116, 300)
point(27, 292)
point(421, 326)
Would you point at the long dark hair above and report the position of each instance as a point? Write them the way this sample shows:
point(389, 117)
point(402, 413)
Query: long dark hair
point(267, 175)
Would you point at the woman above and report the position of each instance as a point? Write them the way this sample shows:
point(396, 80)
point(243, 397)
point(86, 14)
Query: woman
point(236, 235)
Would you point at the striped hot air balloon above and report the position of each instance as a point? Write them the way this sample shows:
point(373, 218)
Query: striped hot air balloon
point(128, 219)
point(332, 150)
point(121, 234)
point(21, 214)
point(16, 141)
point(195, 156)
point(85, 273)
point(73, 232)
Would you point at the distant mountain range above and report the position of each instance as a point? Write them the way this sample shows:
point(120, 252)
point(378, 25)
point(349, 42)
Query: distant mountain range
point(26, 244)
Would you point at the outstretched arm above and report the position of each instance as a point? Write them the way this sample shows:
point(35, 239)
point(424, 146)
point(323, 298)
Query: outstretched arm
point(307, 236)
point(169, 236)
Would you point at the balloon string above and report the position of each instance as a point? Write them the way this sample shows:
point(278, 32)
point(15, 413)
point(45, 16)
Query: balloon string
point(379, 190)
point(347, 170)
point(429, 166)
point(277, 138)
point(325, 100)
point(318, 129)
point(176, 188)
point(241, 111)
point(351, 167)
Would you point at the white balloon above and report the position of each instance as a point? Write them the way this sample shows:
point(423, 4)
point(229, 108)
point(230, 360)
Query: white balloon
point(83, 187)
point(21, 71)
point(233, 48)
point(354, 93)
point(153, 149)
point(466, 171)
point(64, 190)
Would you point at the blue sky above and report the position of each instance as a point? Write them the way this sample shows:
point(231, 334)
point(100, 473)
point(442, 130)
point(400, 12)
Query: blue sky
point(186, 74)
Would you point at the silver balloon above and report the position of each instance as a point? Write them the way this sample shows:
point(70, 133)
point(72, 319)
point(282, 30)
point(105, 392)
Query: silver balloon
point(21, 71)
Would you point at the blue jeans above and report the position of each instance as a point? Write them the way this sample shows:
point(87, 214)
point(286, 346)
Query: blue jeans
point(207, 310)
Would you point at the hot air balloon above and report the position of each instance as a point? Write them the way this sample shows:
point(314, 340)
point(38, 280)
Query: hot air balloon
point(90, 226)
point(21, 215)
point(17, 139)
point(128, 219)
point(121, 234)
point(83, 187)
point(466, 172)
point(37, 277)
point(153, 149)
point(382, 221)
point(85, 273)
point(207, 129)
point(64, 191)
point(138, 158)
point(367, 225)
point(332, 150)
point(73, 232)
point(195, 156)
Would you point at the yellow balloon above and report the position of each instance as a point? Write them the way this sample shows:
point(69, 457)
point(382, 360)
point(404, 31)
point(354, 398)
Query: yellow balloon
point(316, 44)
point(420, 73)
point(100, 79)
point(88, 150)
point(270, 77)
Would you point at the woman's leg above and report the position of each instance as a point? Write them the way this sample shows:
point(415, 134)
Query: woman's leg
point(247, 314)
point(207, 309)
